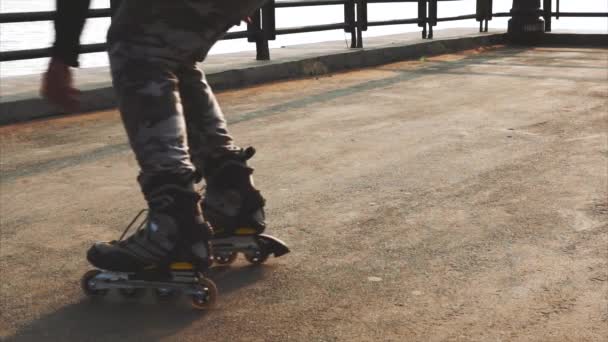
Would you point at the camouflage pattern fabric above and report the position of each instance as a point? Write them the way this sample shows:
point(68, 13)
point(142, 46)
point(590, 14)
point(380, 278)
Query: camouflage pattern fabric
point(171, 116)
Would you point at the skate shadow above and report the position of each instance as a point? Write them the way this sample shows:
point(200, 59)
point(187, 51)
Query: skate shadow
point(232, 278)
point(113, 318)
point(109, 319)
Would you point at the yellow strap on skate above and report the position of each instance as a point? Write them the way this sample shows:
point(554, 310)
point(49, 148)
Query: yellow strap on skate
point(245, 231)
point(181, 266)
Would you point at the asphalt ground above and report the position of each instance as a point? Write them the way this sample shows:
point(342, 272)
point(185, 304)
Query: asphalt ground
point(462, 197)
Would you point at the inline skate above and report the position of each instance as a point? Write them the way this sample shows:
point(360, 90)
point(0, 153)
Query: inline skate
point(169, 252)
point(235, 210)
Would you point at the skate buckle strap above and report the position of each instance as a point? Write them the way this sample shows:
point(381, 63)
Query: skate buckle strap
point(245, 231)
point(181, 266)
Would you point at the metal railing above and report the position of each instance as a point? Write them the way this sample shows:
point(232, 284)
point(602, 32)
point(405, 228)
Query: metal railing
point(262, 27)
point(547, 13)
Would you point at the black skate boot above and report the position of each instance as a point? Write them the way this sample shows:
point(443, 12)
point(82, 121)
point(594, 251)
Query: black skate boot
point(235, 210)
point(169, 251)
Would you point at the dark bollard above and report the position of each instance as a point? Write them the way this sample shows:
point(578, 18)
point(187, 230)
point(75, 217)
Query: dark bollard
point(525, 25)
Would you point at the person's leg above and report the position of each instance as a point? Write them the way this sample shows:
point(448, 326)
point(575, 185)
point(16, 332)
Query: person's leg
point(152, 116)
point(147, 91)
point(150, 41)
point(207, 130)
point(231, 200)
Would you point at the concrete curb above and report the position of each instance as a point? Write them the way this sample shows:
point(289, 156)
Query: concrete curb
point(28, 109)
point(350, 59)
point(101, 96)
point(575, 39)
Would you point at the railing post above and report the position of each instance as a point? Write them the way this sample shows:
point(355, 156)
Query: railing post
point(269, 24)
point(525, 25)
point(547, 14)
point(114, 6)
point(361, 21)
point(432, 17)
point(252, 27)
point(350, 22)
point(256, 33)
point(483, 13)
point(490, 12)
point(422, 16)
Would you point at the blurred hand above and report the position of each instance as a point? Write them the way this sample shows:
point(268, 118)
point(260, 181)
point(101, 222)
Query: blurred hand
point(57, 86)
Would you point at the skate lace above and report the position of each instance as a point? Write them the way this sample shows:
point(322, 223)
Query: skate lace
point(139, 227)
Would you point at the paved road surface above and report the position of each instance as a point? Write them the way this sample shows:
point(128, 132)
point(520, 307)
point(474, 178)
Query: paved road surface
point(457, 198)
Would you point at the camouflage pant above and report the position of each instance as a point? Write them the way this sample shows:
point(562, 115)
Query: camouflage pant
point(171, 116)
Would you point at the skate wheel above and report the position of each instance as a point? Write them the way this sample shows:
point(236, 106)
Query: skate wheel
point(207, 295)
point(225, 258)
point(165, 294)
point(257, 257)
point(88, 281)
point(132, 293)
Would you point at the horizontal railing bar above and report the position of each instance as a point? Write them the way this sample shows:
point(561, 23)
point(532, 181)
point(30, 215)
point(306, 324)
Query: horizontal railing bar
point(581, 14)
point(460, 17)
point(562, 14)
point(314, 28)
point(288, 4)
point(235, 35)
point(394, 22)
point(390, 1)
point(6, 56)
point(21, 17)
